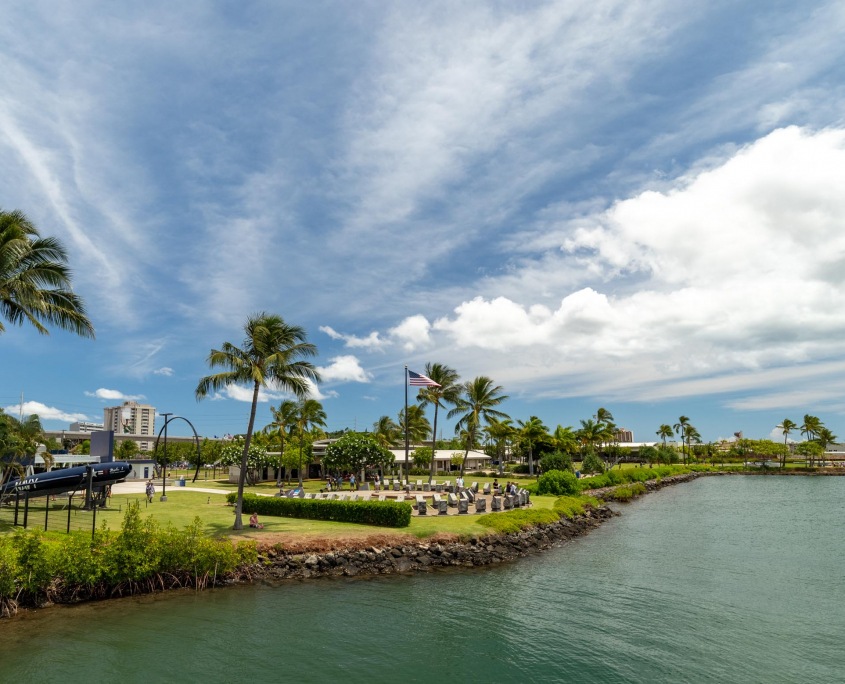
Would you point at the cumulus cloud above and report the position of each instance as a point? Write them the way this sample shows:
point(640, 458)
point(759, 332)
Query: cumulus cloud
point(413, 333)
point(44, 412)
point(372, 341)
point(738, 267)
point(113, 395)
point(344, 369)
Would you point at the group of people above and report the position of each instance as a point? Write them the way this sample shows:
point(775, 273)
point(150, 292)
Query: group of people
point(336, 483)
point(509, 488)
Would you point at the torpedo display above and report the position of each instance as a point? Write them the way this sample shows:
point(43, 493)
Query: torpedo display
point(67, 479)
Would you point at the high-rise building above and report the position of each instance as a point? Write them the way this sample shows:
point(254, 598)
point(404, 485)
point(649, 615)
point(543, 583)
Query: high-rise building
point(624, 435)
point(131, 418)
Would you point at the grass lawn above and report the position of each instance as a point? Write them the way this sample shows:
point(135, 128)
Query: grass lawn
point(183, 505)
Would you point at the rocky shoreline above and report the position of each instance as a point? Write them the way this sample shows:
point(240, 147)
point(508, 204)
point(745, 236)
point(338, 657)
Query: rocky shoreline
point(275, 565)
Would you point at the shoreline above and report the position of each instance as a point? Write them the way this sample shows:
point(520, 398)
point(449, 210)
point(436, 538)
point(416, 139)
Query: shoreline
point(368, 559)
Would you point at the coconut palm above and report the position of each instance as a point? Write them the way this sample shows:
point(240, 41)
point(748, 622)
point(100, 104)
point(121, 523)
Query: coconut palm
point(664, 432)
point(272, 353)
point(565, 439)
point(477, 402)
point(529, 432)
point(691, 435)
point(19, 439)
point(500, 431)
point(284, 419)
point(448, 393)
point(591, 434)
point(418, 426)
point(825, 437)
point(679, 428)
point(786, 426)
point(35, 282)
point(309, 416)
point(811, 426)
point(386, 432)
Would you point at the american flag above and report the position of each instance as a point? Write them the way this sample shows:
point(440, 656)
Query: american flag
point(417, 380)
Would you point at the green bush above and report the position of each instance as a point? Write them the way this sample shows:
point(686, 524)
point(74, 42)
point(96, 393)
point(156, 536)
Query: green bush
point(627, 492)
point(557, 483)
point(381, 513)
point(556, 461)
point(520, 468)
point(516, 520)
point(592, 464)
point(572, 506)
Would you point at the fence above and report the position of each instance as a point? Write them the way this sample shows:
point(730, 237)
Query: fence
point(57, 513)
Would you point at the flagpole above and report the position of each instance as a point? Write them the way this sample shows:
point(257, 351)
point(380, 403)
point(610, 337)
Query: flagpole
point(407, 445)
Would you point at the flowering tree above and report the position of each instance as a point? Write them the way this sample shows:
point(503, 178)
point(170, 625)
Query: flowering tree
point(354, 452)
point(257, 458)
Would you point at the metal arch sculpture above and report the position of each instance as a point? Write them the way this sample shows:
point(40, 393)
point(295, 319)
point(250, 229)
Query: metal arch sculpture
point(196, 439)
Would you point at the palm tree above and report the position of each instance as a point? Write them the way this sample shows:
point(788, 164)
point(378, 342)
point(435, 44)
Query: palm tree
point(664, 432)
point(284, 419)
point(500, 432)
point(691, 435)
point(811, 426)
point(309, 415)
point(19, 439)
point(565, 439)
point(386, 432)
point(824, 437)
point(272, 352)
point(449, 392)
point(786, 426)
point(530, 431)
point(418, 426)
point(35, 280)
point(477, 403)
point(679, 428)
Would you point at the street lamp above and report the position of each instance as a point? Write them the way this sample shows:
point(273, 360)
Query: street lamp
point(166, 417)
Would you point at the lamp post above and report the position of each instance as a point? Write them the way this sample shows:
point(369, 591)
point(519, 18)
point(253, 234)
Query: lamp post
point(166, 417)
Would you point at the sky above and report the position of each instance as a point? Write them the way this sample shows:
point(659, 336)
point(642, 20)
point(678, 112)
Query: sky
point(635, 205)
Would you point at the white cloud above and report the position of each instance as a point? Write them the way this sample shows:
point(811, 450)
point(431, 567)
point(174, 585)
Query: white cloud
point(413, 332)
point(344, 369)
point(371, 341)
point(736, 268)
point(113, 395)
point(164, 370)
point(44, 412)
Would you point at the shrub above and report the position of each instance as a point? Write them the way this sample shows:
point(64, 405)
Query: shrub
point(520, 468)
point(627, 492)
point(514, 521)
point(592, 464)
point(381, 513)
point(556, 461)
point(557, 483)
point(571, 506)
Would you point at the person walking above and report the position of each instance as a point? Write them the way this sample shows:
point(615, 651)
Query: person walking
point(151, 490)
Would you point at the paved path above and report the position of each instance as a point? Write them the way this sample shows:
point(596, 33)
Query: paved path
point(139, 487)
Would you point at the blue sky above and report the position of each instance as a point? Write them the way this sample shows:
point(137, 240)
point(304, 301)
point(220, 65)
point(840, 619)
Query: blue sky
point(633, 205)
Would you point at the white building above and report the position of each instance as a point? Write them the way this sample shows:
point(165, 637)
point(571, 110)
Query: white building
point(85, 426)
point(131, 418)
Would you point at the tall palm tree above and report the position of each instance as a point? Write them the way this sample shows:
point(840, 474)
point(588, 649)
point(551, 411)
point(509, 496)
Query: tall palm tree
point(418, 426)
point(811, 426)
point(477, 402)
point(565, 439)
point(448, 393)
point(273, 352)
point(530, 431)
point(19, 439)
point(679, 428)
point(284, 419)
point(35, 282)
point(824, 437)
point(691, 435)
point(786, 426)
point(386, 432)
point(501, 432)
point(664, 432)
point(309, 415)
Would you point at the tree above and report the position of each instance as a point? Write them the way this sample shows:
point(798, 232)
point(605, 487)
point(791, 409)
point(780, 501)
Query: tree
point(284, 419)
point(530, 431)
point(18, 439)
point(664, 432)
point(811, 426)
point(354, 452)
point(810, 451)
point(309, 415)
point(592, 434)
point(422, 457)
point(386, 432)
point(649, 454)
point(477, 402)
point(565, 439)
point(824, 437)
point(448, 393)
point(232, 455)
point(679, 428)
point(501, 432)
point(126, 450)
point(272, 352)
point(786, 426)
point(691, 435)
point(418, 426)
point(35, 282)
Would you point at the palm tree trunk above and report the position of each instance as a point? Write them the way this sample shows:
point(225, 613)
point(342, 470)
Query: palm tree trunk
point(433, 468)
point(530, 459)
point(239, 525)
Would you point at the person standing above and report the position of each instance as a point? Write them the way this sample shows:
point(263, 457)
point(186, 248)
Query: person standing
point(352, 482)
point(151, 490)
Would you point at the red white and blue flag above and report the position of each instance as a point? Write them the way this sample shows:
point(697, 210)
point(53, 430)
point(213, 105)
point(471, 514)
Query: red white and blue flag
point(417, 380)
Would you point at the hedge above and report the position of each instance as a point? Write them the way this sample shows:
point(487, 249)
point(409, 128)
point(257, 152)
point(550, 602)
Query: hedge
point(381, 513)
